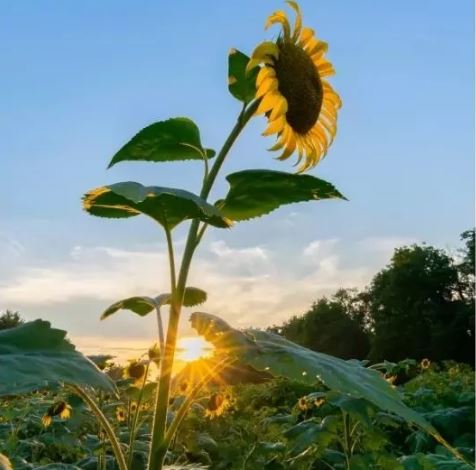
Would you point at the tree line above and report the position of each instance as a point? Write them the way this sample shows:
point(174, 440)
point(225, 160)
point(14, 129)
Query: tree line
point(421, 305)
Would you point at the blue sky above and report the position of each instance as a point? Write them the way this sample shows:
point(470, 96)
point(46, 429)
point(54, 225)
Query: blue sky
point(80, 78)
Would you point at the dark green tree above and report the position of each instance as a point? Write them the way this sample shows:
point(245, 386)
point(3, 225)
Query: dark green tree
point(333, 326)
point(10, 319)
point(416, 309)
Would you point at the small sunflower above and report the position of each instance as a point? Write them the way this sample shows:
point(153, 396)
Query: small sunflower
point(425, 364)
point(154, 354)
point(61, 409)
point(303, 404)
point(135, 370)
point(301, 106)
point(133, 406)
point(120, 414)
point(318, 402)
point(217, 404)
point(453, 372)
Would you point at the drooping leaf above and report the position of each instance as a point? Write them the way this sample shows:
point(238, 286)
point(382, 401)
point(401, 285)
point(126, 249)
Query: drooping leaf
point(167, 206)
point(143, 305)
point(171, 140)
point(421, 461)
point(34, 355)
point(254, 193)
point(242, 85)
point(268, 351)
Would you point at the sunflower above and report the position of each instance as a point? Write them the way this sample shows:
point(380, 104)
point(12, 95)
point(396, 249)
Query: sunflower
point(154, 354)
point(61, 409)
point(217, 404)
point(135, 370)
point(425, 364)
point(301, 106)
point(120, 414)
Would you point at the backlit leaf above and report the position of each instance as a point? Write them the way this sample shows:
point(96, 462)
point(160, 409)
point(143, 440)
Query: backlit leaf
point(171, 140)
point(254, 193)
point(270, 352)
point(143, 305)
point(34, 355)
point(167, 206)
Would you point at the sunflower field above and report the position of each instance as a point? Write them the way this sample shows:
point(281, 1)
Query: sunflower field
point(275, 424)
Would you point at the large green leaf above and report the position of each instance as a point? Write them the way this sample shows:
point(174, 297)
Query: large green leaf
point(309, 433)
point(34, 355)
point(433, 462)
point(171, 140)
point(242, 85)
point(257, 192)
point(268, 351)
point(143, 305)
point(167, 206)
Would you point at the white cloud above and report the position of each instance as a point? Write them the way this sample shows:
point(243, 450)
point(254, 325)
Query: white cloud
point(246, 286)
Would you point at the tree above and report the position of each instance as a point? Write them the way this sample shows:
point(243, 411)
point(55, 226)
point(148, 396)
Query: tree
point(467, 266)
point(415, 309)
point(10, 319)
point(333, 326)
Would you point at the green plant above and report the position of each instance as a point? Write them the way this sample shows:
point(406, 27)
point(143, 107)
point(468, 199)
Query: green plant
point(286, 80)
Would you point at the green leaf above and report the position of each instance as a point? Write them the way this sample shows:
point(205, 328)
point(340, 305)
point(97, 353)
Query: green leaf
point(433, 462)
point(34, 355)
point(242, 85)
point(254, 193)
point(143, 305)
point(268, 351)
point(307, 433)
point(172, 140)
point(167, 206)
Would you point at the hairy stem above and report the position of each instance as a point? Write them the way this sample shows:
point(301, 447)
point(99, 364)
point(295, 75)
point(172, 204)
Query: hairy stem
point(133, 429)
point(184, 407)
point(116, 447)
point(159, 445)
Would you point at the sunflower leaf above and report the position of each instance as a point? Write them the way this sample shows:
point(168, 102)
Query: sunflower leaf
point(241, 84)
point(34, 355)
point(167, 206)
point(254, 193)
point(171, 140)
point(267, 351)
point(143, 305)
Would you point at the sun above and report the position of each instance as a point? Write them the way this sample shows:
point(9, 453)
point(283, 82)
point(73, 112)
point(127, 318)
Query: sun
point(192, 348)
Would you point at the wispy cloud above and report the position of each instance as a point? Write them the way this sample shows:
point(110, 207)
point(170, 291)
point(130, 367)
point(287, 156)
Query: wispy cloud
point(247, 286)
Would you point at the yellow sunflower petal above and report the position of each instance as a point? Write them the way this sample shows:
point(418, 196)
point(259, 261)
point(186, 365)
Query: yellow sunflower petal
point(325, 69)
point(298, 21)
point(289, 147)
point(275, 126)
point(267, 102)
point(264, 53)
point(306, 35)
point(280, 109)
point(317, 49)
point(279, 17)
point(264, 73)
point(270, 84)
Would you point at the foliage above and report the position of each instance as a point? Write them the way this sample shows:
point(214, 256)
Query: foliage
point(280, 424)
point(415, 298)
point(329, 327)
point(424, 296)
point(34, 355)
point(10, 319)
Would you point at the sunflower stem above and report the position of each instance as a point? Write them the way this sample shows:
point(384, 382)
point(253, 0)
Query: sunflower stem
point(133, 429)
point(116, 447)
point(180, 415)
point(159, 445)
